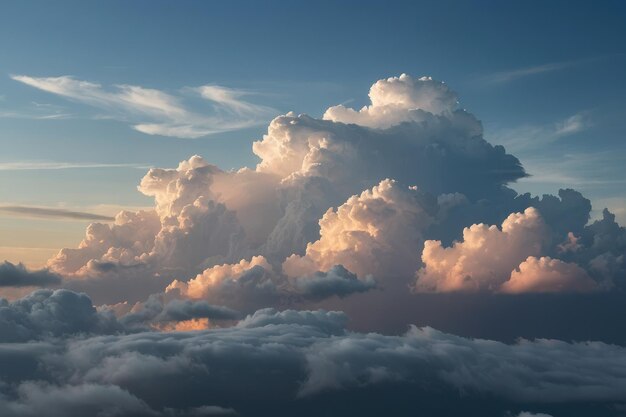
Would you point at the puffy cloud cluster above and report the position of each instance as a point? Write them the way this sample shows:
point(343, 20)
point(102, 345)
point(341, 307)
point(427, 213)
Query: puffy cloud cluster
point(305, 362)
point(396, 100)
point(548, 275)
point(337, 281)
point(600, 248)
point(378, 232)
point(493, 259)
point(253, 284)
point(242, 285)
point(12, 275)
point(48, 313)
point(164, 313)
point(363, 189)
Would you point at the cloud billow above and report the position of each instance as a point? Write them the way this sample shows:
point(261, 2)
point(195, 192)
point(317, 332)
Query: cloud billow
point(12, 275)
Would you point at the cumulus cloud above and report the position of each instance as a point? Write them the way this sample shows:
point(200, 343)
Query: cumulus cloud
point(238, 283)
point(361, 189)
point(255, 283)
point(155, 112)
point(548, 275)
point(378, 232)
point(396, 100)
point(337, 281)
point(46, 313)
point(164, 313)
point(12, 275)
point(486, 256)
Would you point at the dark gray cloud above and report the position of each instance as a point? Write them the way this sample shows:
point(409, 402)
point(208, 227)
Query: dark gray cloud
point(157, 310)
point(12, 275)
point(41, 399)
point(48, 313)
point(305, 363)
point(53, 213)
point(337, 281)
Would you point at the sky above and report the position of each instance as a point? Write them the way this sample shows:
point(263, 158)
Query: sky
point(324, 203)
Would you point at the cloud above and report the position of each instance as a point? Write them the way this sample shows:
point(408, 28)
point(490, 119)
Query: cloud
point(337, 281)
point(524, 140)
point(361, 189)
point(72, 400)
point(159, 312)
point(36, 399)
point(486, 256)
point(49, 165)
point(339, 213)
point(46, 212)
point(601, 251)
point(396, 100)
point(548, 275)
point(155, 112)
point(255, 283)
point(512, 75)
point(12, 275)
point(226, 275)
point(33, 116)
point(375, 233)
point(305, 362)
point(231, 99)
point(515, 74)
point(48, 313)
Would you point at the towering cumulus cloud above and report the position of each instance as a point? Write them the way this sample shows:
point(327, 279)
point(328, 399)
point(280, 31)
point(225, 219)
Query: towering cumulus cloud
point(377, 193)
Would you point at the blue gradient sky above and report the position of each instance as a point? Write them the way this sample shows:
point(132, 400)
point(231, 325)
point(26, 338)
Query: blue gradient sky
point(546, 82)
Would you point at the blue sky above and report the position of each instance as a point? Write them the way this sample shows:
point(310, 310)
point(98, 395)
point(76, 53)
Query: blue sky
point(547, 82)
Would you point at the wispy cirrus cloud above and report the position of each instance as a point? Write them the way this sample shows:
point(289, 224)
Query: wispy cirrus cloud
point(501, 77)
point(51, 165)
point(32, 116)
point(527, 138)
point(512, 75)
point(48, 212)
point(155, 112)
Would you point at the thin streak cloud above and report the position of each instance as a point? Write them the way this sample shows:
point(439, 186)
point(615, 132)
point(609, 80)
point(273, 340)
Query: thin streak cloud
point(512, 75)
point(155, 112)
point(48, 165)
point(54, 213)
point(502, 77)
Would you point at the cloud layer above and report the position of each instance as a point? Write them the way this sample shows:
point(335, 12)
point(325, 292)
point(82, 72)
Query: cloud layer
point(304, 359)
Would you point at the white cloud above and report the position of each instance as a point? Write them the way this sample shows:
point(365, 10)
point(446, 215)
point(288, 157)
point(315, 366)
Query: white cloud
point(396, 100)
point(155, 112)
point(52, 165)
point(548, 275)
point(483, 261)
point(378, 232)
